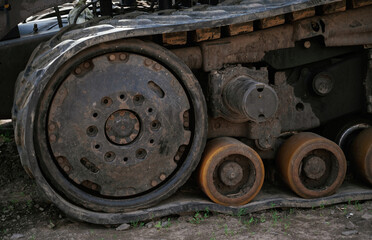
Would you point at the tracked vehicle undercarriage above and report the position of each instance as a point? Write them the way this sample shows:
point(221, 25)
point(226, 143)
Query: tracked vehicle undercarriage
point(236, 107)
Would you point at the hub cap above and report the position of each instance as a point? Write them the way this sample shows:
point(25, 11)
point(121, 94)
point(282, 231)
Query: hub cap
point(122, 127)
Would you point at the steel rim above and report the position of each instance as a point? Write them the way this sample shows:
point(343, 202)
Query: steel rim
point(92, 195)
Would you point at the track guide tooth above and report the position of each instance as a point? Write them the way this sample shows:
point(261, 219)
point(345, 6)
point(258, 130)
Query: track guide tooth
point(239, 28)
point(333, 7)
point(359, 3)
point(177, 38)
point(294, 16)
point(271, 22)
point(206, 34)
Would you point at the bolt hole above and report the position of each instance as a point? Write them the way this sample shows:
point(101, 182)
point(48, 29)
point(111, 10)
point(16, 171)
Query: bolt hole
point(149, 110)
point(141, 153)
point(106, 101)
point(95, 115)
point(315, 26)
point(89, 165)
point(92, 131)
point(155, 125)
point(122, 96)
point(152, 141)
point(300, 107)
point(138, 99)
point(109, 156)
point(125, 159)
point(260, 89)
point(97, 146)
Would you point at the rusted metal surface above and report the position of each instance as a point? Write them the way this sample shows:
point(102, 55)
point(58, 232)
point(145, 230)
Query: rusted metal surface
point(311, 165)
point(334, 7)
point(271, 21)
point(239, 94)
point(61, 70)
point(256, 101)
point(179, 38)
point(301, 14)
point(155, 162)
point(230, 173)
point(219, 127)
point(219, 82)
point(239, 28)
point(127, 123)
point(234, 50)
point(361, 152)
point(207, 34)
point(368, 83)
point(356, 28)
point(227, 15)
point(213, 16)
point(360, 3)
point(191, 56)
point(314, 167)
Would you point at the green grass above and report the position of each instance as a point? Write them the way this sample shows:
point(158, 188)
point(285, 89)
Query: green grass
point(275, 217)
point(357, 206)
point(158, 225)
point(228, 232)
point(6, 137)
point(262, 219)
point(199, 216)
point(137, 223)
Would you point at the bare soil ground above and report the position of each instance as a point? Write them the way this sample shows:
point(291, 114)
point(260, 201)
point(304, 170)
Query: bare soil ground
point(25, 214)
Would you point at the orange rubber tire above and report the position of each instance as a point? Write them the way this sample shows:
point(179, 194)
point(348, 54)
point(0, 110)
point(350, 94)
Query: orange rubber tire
point(222, 151)
point(293, 154)
point(361, 154)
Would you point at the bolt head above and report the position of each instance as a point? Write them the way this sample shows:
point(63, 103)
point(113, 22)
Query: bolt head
point(162, 177)
point(78, 70)
point(154, 183)
point(122, 56)
point(112, 57)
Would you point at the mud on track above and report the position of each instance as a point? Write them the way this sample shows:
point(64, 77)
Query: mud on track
point(25, 214)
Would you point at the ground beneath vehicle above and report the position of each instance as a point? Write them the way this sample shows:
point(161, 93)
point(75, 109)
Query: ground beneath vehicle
point(112, 116)
point(25, 213)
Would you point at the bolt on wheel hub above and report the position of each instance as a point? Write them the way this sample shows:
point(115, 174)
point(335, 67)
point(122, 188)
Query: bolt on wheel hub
point(314, 167)
point(122, 127)
point(231, 173)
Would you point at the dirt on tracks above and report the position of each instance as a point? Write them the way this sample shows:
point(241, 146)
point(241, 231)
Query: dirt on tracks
point(25, 214)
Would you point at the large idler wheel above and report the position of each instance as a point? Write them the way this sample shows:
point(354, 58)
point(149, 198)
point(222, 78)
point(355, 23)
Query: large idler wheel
point(120, 126)
point(361, 153)
point(311, 165)
point(231, 173)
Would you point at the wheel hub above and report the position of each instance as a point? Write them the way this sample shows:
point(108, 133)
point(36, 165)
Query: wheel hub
point(231, 173)
point(122, 127)
point(314, 167)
